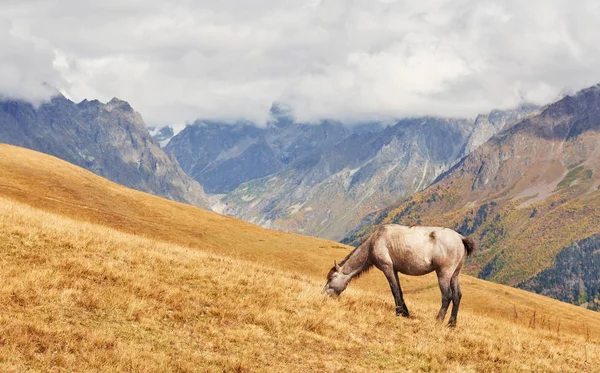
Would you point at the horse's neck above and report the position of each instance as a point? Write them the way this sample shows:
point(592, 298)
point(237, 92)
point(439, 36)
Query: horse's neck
point(357, 261)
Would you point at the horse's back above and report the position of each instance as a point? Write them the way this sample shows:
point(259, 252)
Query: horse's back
point(418, 249)
point(420, 235)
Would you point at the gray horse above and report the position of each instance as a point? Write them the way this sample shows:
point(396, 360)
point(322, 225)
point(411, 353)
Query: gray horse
point(412, 251)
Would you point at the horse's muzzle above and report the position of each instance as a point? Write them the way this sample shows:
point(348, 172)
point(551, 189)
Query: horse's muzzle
point(329, 291)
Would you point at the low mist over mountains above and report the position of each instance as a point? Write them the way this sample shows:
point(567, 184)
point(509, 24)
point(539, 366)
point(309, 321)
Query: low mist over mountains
point(525, 196)
point(327, 193)
point(110, 140)
point(222, 156)
point(322, 179)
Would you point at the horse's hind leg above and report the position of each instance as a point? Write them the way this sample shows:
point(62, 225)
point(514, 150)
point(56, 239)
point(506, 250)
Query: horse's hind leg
point(456, 297)
point(445, 288)
point(392, 277)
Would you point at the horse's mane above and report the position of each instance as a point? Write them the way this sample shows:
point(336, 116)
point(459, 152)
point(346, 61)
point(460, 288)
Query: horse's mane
point(361, 273)
point(353, 251)
point(359, 247)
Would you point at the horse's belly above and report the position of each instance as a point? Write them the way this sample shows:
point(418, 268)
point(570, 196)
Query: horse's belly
point(415, 269)
point(413, 264)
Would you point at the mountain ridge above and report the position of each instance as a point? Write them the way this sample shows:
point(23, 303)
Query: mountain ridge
point(326, 194)
point(109, 139)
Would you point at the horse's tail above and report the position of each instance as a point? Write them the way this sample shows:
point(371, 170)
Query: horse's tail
point(469, 245)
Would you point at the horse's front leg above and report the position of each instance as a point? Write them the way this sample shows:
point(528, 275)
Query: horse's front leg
point(392, 276)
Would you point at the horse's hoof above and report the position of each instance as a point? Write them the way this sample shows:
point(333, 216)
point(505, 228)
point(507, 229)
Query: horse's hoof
point(452, 325)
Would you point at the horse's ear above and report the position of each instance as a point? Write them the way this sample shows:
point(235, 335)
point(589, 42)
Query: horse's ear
point(337, 267)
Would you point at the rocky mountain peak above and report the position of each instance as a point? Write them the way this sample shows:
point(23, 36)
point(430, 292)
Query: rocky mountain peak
point(487, 125)
point(110, 140)
point(162, 135)
point(119, 104)
point(281, 115)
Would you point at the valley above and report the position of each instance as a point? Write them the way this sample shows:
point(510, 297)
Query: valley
point(322, 179)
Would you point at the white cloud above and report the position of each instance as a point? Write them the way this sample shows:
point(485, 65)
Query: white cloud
point(26, 67)
point(350, 60)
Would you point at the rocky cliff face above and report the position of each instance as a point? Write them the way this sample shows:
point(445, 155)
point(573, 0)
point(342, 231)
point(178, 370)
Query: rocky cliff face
point(324, 194)
point(525, 195)
point(222, 156)
point(161, 135)
point(487, 125)
point(322, 179)
point(110, 140)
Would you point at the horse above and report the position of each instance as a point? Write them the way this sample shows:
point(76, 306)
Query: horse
point(413, 250)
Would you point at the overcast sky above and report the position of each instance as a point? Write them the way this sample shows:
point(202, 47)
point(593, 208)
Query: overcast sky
point(353, 60)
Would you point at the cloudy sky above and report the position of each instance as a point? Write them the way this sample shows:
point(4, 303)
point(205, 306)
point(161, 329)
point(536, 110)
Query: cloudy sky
point(343, 59)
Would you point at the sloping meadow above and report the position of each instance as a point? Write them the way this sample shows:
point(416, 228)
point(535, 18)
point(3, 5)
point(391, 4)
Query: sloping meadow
point(82, 297)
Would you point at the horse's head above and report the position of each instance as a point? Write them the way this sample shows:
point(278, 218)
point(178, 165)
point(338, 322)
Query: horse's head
point(336, 281)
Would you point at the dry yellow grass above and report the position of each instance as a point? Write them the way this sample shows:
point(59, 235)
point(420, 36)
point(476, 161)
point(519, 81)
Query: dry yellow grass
point(82, 297)
point(124, 281)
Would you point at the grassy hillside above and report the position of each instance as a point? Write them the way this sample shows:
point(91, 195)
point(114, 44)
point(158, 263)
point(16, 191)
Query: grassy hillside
point(100, 277)
point(80, 297)
point(50, 184)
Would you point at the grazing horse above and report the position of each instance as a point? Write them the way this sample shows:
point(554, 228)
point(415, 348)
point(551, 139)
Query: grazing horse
point(412, 251)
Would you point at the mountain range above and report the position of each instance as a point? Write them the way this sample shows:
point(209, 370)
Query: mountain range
point(109, 139)
point(222, 156)
point(323, 178)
